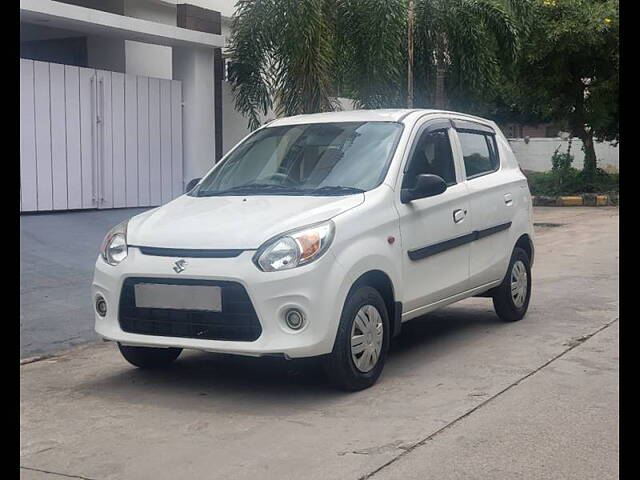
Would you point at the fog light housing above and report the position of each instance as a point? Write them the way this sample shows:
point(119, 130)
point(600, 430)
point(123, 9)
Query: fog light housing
point(101, 305)
point(294, 319)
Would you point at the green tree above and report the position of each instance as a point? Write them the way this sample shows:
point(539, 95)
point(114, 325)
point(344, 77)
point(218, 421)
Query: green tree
point(569, 72)
point(295, 55)
point(461, 48)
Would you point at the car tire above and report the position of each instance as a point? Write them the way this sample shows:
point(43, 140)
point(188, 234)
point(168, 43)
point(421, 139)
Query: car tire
point(363, 316)
point(511, 298)
point(149, 357)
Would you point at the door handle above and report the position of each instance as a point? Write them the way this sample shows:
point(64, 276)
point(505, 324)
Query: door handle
point(508, 199)
point(458, 215)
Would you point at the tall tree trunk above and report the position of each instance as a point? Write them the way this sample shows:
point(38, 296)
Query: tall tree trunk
point(410, 34)
point(582, 131)
point(590, 160)
point(440, 100)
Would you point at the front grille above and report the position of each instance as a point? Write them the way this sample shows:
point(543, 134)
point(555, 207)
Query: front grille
point(237, 321)
point(189, 253)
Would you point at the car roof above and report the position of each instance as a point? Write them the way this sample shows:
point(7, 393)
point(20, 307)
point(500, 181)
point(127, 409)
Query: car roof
point(405, 115)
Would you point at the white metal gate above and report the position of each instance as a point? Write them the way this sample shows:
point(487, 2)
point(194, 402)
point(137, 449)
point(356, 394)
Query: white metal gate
point(97, 139)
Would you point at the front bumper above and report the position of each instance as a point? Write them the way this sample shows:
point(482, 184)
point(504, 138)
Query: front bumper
point(318, 290)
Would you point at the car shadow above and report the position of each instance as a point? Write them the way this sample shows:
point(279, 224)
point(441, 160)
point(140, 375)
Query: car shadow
point(233, 383)
point(435, 327)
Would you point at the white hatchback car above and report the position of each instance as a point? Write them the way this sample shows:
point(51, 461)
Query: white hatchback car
point(319, 235)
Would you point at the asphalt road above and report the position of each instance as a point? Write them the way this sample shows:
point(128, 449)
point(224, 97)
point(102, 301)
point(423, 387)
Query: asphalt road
point(57, 255)
point(463, 395)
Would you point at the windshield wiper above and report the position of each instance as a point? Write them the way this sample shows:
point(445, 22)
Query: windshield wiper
point(252, 188)
point(334, 190)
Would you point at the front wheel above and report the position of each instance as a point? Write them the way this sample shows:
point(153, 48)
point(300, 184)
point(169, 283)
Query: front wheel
point(149, 357)
point(511, 298)
point(362, 341)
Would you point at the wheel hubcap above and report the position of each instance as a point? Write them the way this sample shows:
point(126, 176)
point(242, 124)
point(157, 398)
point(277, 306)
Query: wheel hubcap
point(519, 283)
point(366, 338)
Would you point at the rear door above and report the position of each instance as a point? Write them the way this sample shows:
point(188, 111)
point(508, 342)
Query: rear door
point(491, 201)
point(435, 231)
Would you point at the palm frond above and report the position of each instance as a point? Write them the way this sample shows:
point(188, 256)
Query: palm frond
point(248, 54)
point(497, 21)
point(304, 56)
point(371, 35)
point(470, 40)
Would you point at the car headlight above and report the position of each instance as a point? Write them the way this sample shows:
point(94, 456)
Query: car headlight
point(114, 245)
point(296, 248)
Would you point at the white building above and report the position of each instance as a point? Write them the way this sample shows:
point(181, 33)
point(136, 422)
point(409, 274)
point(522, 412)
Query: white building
point(122, 101)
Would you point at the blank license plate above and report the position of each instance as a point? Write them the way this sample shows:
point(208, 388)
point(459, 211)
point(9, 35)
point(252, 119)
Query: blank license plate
point(178, 297)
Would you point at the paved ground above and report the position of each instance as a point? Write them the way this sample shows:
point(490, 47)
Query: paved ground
point(57, 254)
point(463, 395)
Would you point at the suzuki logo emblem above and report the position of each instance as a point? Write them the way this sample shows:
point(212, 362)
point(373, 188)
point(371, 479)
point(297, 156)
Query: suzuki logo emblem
point(180, 265)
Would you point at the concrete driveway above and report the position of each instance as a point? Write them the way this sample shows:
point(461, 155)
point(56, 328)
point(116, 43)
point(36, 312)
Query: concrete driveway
point(463, 395)
point(57, 254)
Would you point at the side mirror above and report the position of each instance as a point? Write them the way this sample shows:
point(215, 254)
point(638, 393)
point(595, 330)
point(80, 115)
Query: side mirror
point(427, 185)
point(191, 184)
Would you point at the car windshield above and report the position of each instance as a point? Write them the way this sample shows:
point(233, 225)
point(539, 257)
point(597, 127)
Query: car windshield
point(313, 159)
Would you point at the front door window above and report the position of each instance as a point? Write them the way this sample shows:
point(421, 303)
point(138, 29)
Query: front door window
point(432, 155)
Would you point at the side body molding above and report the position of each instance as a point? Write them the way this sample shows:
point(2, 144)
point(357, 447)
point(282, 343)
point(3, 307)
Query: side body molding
point(424, 252)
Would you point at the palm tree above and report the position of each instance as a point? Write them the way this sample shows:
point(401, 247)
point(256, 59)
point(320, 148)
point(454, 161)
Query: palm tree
point(461, 46)
point(295, 56)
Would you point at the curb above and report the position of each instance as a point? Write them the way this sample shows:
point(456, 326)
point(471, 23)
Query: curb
point(585, 200)
point(61, 353)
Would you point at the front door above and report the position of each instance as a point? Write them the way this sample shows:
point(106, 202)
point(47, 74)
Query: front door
point(435, 230)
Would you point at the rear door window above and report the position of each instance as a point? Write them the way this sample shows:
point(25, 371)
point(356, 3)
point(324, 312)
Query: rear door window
point(480, 153)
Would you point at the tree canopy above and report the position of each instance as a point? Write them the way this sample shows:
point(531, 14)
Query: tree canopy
point(568, 71)
point(296, 55)
point(524, 60)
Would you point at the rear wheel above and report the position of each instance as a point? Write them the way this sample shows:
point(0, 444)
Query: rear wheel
point(149, 357)
point(511, 298)
point(362, 341)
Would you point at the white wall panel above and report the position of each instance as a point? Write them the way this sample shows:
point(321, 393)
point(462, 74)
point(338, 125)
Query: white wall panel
point(178, 183)
point(43, 135)
point(58, 136)
point(105, 137)
point(155, 177)
point(87, 132)
point(118, 140)
point(28, 169)
point(131, 139)
point(72, 132)
point(165, 140)
point(143, 141)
